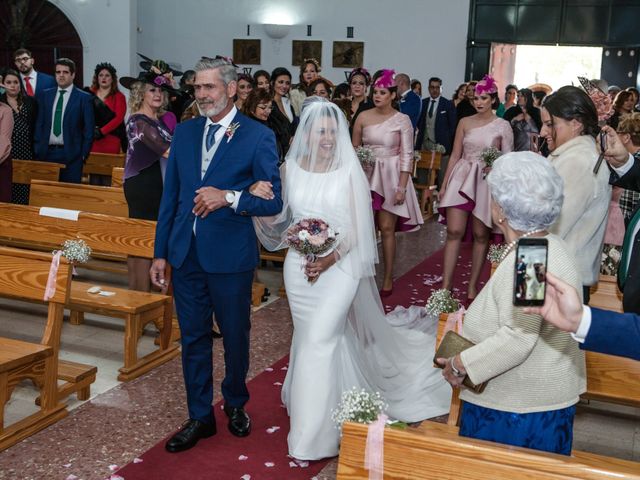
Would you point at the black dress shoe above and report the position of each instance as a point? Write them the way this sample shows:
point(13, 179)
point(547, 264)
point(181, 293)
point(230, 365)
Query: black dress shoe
point(189, 434)
point(239, 421)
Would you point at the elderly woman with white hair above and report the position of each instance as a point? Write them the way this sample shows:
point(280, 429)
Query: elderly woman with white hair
point(535, 373)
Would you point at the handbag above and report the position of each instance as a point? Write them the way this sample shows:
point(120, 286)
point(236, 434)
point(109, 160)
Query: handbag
point(450, 346)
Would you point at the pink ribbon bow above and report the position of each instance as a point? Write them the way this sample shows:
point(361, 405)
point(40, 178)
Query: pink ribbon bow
point(374, 451)
point(454, 321)
point(50, 289)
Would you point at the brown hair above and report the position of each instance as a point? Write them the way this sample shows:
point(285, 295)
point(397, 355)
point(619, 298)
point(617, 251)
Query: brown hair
point(621, 97)
point(114, 83)
point(255, 98)
point(67, 62)
point(630, 124)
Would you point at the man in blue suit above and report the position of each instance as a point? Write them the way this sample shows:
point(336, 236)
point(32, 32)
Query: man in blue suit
point(65, 124)
point(206, 234)
point(32, 82)
point(409, 100)
point(597, 330)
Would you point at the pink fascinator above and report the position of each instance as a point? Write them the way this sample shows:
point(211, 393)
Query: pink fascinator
point(602, 101)
point(386, 80)
point(486, 86)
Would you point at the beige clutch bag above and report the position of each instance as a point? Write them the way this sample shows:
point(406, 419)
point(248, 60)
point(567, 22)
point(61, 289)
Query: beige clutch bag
point(451, 345)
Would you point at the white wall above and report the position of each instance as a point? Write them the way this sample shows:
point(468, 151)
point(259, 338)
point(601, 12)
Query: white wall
point(419, 37)
point(107, 29)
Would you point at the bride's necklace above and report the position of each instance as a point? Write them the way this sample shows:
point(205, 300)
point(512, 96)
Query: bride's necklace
point(512, 244)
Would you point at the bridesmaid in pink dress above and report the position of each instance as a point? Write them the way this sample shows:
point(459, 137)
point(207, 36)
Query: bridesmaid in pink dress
point(465, 190)
point(390, 135)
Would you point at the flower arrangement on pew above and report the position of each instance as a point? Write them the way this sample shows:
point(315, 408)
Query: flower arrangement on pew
point(360, 406)
point(76, 251)
point(496, 252)
point(442, 301)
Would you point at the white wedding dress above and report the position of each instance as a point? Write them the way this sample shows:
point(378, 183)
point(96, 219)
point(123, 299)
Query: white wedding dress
point(330, 350)
point(341, 336)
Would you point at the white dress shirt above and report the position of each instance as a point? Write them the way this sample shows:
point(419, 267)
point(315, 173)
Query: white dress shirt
point(207, 155)
point(59, 140)
point(583, 328)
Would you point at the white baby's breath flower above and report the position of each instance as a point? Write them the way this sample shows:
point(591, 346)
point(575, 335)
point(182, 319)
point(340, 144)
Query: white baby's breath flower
point(303, 235)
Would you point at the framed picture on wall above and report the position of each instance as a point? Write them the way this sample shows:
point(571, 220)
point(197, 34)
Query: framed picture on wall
point(348, 54)
point(246, 52)
point(302, 49)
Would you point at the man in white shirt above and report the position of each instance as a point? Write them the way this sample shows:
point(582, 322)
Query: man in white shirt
point(65, 124)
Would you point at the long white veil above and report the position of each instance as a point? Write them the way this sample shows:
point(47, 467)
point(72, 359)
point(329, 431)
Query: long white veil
point(393, 353)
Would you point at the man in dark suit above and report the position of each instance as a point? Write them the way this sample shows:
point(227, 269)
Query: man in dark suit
point(597, 330)
point(206, 234)
point(32, 82)
point(521, 272)
point(625, 173)
point(437, 124)
point(409, 100)
point(65, 124)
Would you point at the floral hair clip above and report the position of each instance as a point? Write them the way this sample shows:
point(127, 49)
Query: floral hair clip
point(162, 80)
point(602, 101)
point(315, 62)
point(486, 86)
point(386, 80)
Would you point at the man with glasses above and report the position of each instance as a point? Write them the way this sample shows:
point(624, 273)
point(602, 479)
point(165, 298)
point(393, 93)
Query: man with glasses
point(33, 83)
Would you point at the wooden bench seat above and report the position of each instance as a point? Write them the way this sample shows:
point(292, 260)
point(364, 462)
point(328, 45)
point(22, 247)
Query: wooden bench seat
point(24, 171)
point(102, 163)
point(73, 196)
point(429, 161)
point(435, 451)
point(115, 235)
point(117, 177)
point(23, 276)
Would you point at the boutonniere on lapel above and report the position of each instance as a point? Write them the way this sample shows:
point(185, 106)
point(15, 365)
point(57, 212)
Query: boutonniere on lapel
point(231, 130)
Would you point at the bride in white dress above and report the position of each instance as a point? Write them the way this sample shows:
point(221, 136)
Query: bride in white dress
point(341, 336)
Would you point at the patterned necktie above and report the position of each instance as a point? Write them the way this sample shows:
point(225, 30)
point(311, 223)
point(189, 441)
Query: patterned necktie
point(211, 139)
point(27, 86)
point(57, 116)
point(433, 102)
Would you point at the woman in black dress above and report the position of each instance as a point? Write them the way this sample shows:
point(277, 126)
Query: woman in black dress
point(24, 110)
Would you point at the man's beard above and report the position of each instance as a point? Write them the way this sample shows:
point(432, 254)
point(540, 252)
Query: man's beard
point(215, 109)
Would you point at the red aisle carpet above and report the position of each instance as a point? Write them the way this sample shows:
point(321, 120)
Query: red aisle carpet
point(263, 455)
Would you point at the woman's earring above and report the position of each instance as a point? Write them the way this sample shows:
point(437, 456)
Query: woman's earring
point(500, 220)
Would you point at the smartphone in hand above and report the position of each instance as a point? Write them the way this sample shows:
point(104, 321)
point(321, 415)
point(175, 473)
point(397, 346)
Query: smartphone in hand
point(529, 272)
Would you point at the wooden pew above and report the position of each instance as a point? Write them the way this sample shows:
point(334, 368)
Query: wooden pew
point(102, 163)
point(434, 451)
point(429, 161)
point(114, 235)
point(117, 177)
point(24, 171)
point(23, 276)
point(73, 196)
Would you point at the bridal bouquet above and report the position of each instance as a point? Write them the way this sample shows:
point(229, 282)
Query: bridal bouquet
point(366, 156)
point(358, 406)
point(311, 237)
point(488, 156)
point(442, 301)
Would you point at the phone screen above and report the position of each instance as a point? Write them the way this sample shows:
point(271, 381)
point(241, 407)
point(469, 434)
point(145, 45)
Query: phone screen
point(530, 269)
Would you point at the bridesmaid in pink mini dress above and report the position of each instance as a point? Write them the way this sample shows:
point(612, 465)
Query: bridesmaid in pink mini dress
point(389, 134)
point(465, 190)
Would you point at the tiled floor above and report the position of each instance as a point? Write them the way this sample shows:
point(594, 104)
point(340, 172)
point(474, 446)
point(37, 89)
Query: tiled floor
point(123, 420)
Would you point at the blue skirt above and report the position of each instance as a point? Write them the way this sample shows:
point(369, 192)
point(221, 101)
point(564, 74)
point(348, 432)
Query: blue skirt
point(550, 431)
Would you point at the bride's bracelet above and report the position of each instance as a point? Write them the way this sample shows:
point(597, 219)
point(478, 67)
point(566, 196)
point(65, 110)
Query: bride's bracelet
point(401, 190)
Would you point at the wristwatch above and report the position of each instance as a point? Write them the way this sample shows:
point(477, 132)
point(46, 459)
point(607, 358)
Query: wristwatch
point(230, 197)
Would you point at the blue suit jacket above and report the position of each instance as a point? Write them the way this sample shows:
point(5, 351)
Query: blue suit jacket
point(77, 126)
point(225, 240)
point(445, 128)
point(45, 82)
point(614, 333)
point(410, 105)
